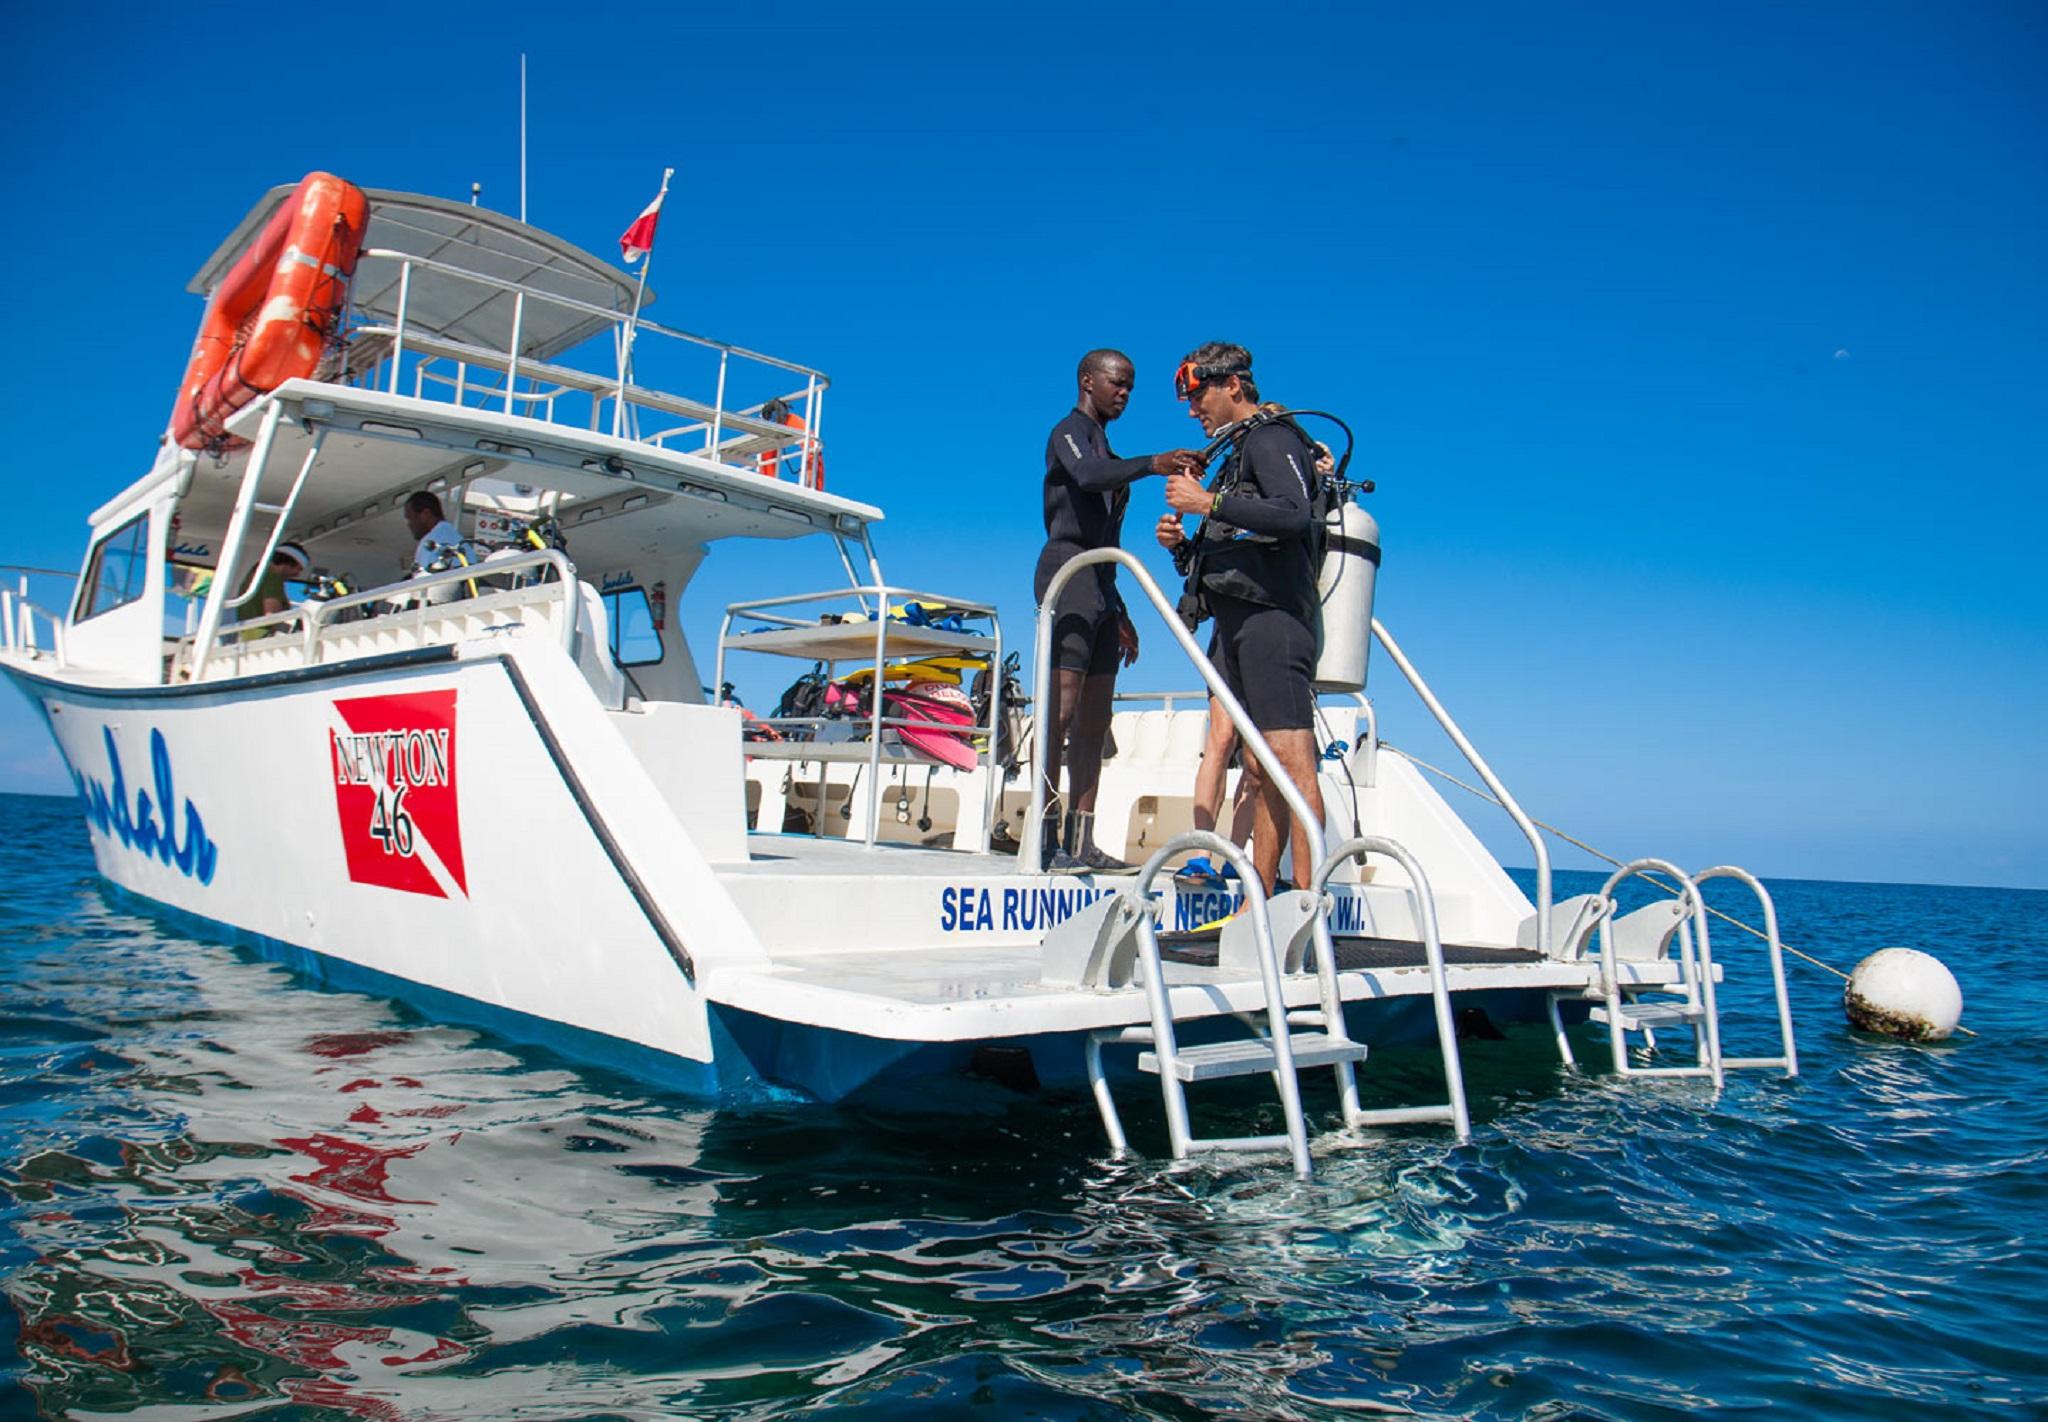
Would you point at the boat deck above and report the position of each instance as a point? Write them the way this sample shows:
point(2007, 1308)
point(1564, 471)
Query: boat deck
point(970, 992)
point(1355, 953)
point(779, 855)
point(960, 988)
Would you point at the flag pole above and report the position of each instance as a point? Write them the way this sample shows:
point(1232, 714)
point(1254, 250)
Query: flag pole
point(633, 321)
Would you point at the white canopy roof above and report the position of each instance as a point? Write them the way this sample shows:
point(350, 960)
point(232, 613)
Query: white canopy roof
point(475, 239)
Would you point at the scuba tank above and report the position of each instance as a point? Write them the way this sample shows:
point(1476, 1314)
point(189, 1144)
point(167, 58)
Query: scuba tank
point(1346, 547)
point(1344, 586)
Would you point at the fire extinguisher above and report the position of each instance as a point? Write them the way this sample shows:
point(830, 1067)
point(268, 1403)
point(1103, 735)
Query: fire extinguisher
point(657, 602)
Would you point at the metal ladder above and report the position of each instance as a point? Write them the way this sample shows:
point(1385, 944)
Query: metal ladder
point(1788, 1050)
point(1690, 1003)
point(1280, 1051)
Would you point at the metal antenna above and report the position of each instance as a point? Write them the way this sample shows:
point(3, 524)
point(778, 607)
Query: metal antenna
point(522, 137)
point(476, 193)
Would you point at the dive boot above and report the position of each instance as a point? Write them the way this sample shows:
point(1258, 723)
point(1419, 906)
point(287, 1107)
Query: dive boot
point(1082, 849)
point(1053, 853)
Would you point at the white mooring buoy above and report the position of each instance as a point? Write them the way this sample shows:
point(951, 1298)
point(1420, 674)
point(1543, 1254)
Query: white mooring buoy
point(1903, 992)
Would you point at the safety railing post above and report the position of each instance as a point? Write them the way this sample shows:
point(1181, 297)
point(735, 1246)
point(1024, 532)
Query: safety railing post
point(398, 330)
point(874, 815)
point(512, 356)
point(717, 431)
point(814, 439)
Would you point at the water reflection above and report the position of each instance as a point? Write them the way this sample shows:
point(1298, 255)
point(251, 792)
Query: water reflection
point(228, 1193)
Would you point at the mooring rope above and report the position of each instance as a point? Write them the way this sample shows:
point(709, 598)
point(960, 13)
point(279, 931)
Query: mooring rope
point(1670, 889)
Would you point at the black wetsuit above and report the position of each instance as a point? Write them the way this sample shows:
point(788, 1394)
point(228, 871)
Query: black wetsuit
point(1259, 577)
point(1086, 490)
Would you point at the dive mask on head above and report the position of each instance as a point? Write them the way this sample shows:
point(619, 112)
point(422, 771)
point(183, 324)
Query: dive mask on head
point(1192, 377)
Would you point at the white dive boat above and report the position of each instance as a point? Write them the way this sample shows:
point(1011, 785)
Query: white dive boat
point(502, 790)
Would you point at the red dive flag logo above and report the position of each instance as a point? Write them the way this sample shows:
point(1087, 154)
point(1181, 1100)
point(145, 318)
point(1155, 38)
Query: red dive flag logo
point(394, 792)
point(638, 239)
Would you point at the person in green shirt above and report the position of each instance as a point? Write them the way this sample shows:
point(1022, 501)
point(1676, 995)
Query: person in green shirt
point(288, 564)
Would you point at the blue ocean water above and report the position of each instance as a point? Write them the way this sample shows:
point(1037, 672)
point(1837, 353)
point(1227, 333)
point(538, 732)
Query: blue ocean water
point(224, 1192)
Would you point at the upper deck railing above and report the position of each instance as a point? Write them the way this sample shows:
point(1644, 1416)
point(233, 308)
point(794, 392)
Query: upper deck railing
point(408, 353)
point(28, 628)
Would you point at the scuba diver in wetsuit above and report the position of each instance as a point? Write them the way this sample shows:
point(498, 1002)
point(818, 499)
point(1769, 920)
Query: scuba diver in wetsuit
point(1254, 572)
point(1086, 490)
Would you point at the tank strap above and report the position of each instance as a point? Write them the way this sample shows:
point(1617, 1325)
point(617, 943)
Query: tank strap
point(1362, 547)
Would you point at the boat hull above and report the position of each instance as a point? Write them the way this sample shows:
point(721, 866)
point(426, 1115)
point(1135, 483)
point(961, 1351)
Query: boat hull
point(411, 820)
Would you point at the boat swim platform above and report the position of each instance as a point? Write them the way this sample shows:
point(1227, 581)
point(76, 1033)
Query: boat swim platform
point(866, 980)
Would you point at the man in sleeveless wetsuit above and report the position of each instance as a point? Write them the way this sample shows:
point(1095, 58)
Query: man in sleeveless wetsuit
point(1086, 489)
point(1257, 578)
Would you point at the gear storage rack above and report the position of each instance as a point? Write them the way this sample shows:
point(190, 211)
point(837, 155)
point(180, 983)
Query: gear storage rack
point(870, 638)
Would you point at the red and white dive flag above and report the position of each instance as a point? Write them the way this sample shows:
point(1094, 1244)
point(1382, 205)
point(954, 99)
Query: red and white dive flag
point(638, 240)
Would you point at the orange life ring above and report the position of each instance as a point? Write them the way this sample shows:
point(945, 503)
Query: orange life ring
point(270, 317)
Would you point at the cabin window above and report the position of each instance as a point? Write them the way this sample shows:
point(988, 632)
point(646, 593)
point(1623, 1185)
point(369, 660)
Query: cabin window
point(636, 642)
point(118, 571)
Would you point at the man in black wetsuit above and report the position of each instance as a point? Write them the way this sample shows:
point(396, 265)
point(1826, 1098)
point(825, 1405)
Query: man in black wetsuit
point(1086, 489)
point(1257, 578)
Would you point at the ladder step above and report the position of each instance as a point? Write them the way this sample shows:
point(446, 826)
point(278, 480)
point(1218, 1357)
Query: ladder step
point(1635, 1015)
point(1670, 1071)
point(1402, 1115)
point(1253, 1056)
point(1237, 1143)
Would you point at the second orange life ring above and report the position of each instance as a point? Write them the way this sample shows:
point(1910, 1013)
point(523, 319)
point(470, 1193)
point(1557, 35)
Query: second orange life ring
point(271, 315)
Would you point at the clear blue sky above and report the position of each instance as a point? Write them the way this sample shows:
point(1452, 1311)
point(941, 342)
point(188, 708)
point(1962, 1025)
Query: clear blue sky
point(1700, 351)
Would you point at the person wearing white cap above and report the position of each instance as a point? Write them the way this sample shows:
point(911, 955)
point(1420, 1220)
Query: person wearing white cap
point(288, 564)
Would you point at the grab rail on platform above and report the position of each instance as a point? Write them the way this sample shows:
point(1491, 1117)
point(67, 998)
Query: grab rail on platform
point(1031, 846)
point(1285, 1077)
point(1788, 1056)
point(1439, 986)
point(1695, 958)
point(1485, 773)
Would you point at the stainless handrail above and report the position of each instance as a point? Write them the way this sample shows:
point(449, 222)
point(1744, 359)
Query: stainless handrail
point(1439, 984)
point(1789, 1060)
point(1485, 772)
point(626, 325)
point(1211, 678)
point(565, 572)
point(1156, 999)
point(317, 616)
point(878, 589)
point(1030, 850)
point(283, 514)
point(617, 318)
point(18, 626)
point(1699, 983)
